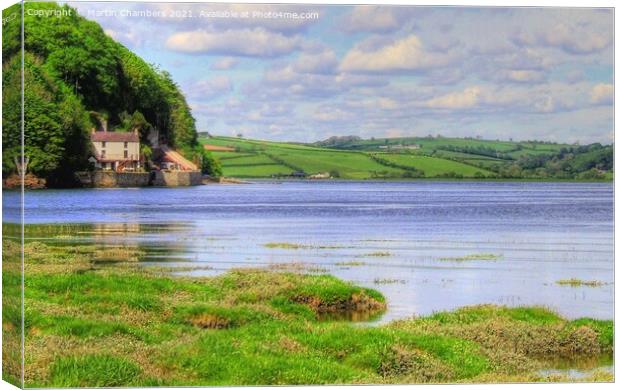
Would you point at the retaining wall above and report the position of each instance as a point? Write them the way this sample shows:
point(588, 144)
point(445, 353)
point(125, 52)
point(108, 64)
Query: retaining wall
point(111, 179)
point(177, 178)
point(120, 179)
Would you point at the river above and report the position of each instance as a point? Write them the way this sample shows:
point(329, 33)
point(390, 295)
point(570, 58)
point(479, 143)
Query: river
point(426, 245)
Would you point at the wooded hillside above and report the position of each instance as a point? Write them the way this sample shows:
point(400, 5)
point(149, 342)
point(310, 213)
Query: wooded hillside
point(74, 73)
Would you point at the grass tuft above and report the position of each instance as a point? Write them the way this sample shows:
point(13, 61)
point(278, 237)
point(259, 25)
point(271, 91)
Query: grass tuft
point(93, 371)
point(573, 282)
point(351, 263)
point(389, 281)
point(288, 245)
point(377, 254)
point(475, 256)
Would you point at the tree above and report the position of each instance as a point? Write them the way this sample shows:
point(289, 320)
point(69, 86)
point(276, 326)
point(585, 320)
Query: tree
point(73, 68)
point(11, 115)
point(210, 165)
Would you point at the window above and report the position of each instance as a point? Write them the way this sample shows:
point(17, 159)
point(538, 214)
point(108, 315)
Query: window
point(103, 144)
point(103, 153)
point(125, 146)
point(126, 153)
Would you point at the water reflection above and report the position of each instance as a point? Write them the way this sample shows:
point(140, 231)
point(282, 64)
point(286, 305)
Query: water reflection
point(579, 367)
point(369, 233)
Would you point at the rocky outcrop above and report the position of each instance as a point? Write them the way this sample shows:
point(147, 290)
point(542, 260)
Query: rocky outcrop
point(31, 182)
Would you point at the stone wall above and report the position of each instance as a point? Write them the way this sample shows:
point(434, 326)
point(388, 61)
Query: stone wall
point(111, 179)
point(177, 178)
point(120, 179)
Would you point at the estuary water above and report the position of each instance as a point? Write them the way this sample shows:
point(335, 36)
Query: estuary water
point(427, 246)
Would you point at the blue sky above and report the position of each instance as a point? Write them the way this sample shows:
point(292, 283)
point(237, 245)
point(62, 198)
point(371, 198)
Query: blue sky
point(498, 73)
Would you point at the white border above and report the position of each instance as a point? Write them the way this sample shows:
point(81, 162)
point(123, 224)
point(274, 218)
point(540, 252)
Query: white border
point(481, 3)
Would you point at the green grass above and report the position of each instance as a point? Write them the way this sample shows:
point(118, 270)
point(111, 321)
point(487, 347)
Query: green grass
point(293, 157)
point(256, 171)
point(389, 281)
point(92, 371)
point(351, 263)
point(376, 254)
point(369, 159)
point(574, 282)
point(426, 143)
point(257, 159)
point(435, 144)
point(231, 155)
point(463, 156)
point(347, 164)
point(95, 324)
point(433, 166)
point(291, 245)
point(474, 256)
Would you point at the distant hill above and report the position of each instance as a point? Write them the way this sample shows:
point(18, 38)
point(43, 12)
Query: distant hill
point(351, 157)
point(339, 141)
point(76, 76)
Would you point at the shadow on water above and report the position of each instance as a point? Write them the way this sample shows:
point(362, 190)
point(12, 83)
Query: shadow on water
point(577, 367)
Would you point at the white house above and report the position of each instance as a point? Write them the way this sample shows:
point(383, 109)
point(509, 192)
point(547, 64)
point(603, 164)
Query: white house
point(116, 151)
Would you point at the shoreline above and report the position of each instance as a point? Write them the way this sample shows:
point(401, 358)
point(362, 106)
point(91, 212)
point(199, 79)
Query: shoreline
point(271, 317)
point(231, 180)
point(433, 179)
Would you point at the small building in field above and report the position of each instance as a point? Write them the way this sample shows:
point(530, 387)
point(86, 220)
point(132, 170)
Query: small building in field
point(116, 151)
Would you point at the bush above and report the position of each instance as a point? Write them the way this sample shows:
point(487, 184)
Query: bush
point(93, 370)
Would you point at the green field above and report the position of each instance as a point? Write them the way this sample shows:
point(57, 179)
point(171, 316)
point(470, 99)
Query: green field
point(428, 144)
point(462, 156)
point(262, 159)
point(404, 158)
point(434, 166)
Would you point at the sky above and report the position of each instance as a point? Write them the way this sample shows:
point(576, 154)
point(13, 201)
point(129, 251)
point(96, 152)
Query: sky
point(379, 71)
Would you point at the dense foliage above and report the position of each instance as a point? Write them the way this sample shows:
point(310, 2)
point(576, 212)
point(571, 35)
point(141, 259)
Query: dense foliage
point(578, 162)
point(480, 150)
point(74, 73)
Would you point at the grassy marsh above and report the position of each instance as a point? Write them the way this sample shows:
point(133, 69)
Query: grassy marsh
point(574, 282)
point(351, 263)
point(389, 281)
point(93, 323)
point(474, 256)
point(377, 254)
point(289, 245)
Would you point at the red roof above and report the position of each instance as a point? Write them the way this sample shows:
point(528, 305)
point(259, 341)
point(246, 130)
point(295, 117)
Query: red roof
point(111, 136)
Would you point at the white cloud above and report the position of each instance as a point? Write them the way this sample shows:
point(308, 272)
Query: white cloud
point(406, 54)
point(210, 88)
point(225, 63)
point(569, 38)
point(576, 41)
point(256, 42)
point(331, 114)
point(468, 98)
point(369, 18)
point(525, 76)
point(602, 94)
point(324, 62)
